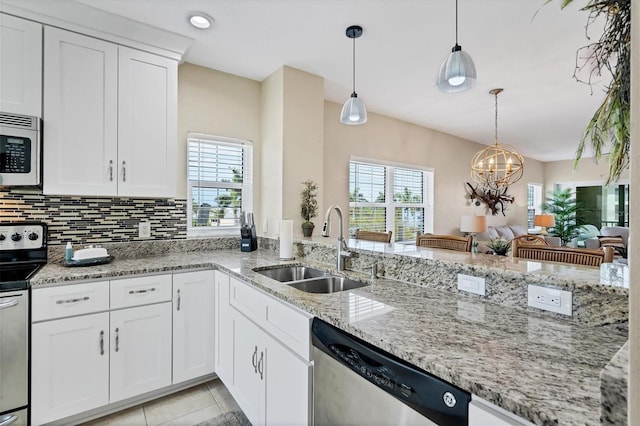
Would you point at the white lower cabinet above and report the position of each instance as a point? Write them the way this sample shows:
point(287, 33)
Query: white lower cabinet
point(224, 326)
point(69, 366)
point(193, 325)
point(270, 380)
point(140, 350)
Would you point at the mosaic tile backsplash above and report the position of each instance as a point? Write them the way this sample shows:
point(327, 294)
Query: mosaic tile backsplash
point(91, 220)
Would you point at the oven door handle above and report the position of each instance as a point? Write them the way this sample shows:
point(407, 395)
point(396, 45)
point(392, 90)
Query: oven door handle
point(8, 420)
point(10, 303)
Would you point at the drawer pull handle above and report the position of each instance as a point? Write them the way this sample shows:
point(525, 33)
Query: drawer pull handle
point(10, 303)
point(101, 342)
point(110, 170)
point(146, 290)
point(79, 299)
point(117, 339)
point(254, 358)
point(6, 421)
point(178, 307)
point(260, 365)
point(124, 172)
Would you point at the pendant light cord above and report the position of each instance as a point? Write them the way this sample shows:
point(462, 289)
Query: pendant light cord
point(354, 64)
point(456, 22)
point(496, 120)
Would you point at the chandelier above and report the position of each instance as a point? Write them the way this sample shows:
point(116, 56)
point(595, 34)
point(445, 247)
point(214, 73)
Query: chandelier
point(497, 166)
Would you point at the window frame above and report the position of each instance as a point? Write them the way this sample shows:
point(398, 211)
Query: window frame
point(390, 205)
point(246, 187)
point(536, 206)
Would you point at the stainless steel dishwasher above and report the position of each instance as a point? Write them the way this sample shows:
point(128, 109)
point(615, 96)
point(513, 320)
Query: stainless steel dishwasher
point(356, 383)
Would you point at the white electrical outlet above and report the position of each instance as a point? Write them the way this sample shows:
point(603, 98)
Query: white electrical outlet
point(475, 285)
point(144, 230)
point(550, 299)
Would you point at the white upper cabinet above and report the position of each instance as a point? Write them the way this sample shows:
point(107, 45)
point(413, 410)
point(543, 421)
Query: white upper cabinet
point(110, 117)
point(20, 66)
point(80, 114)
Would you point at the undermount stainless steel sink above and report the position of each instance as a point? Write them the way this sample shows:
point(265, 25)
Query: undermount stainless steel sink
point(309, 280)
point(327, 284)
point(291, 273)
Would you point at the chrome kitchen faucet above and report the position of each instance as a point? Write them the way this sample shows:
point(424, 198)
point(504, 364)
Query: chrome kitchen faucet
point(342, 248)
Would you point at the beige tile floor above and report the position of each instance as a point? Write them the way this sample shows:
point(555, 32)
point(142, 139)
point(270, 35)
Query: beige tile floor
point(185, 408)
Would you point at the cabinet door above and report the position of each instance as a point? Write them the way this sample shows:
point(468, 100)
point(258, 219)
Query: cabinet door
point(224, 330)
point(193, 325)
point(147, 124)
point(80, 114)
point(248, 355)
point(20, 66)
point(140, 350)
point(69, 366)
point(287, 383)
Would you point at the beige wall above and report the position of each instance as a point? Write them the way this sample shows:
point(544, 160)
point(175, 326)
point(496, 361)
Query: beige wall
point(219, 104)
point(388, 139)
point(588, 170)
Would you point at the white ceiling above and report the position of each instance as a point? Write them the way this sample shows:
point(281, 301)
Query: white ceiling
point(525, 47)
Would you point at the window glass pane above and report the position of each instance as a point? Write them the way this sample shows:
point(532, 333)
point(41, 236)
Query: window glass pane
point(212, 162)
point(366, 183)
point(408, 222)
point(216, 207)
point(407, 186)
point(367, 219)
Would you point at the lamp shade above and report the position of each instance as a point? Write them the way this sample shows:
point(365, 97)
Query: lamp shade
point(545, 220)
point(353, 111)
point(457, 72)
point(473, 224)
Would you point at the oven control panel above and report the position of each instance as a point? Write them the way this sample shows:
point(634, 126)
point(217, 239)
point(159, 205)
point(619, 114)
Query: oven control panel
point(15, 236)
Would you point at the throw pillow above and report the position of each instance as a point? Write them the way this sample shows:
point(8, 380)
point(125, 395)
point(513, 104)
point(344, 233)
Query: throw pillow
point(614, 241)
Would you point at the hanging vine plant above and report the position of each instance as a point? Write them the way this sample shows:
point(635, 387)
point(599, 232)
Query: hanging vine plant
point(609, 130)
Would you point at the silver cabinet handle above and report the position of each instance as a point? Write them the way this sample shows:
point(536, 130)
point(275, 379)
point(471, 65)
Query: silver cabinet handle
point(261, 365)
point(79, 299)
point(146, 290)
point(117, 339)
point(101, 342)
point(5, 421)
point(110, 170)
point(124, 171)
point(253, 360)
point(10, 303)
point(178, 307)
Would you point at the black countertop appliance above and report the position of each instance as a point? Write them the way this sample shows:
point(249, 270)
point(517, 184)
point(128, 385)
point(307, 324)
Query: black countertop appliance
point(249, 240)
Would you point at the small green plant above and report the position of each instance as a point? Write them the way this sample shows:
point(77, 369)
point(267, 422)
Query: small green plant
point(565, 209)
point(499, 245)
point(309, 201)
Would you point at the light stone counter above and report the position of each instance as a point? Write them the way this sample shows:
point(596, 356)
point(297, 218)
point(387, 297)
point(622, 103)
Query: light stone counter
point(540, 367)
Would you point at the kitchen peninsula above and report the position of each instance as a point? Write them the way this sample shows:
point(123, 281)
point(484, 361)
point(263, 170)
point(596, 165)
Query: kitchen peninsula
point(540, 366)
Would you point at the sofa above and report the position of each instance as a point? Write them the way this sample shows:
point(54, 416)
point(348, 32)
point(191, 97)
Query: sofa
point(507, 232)
point(607, 237)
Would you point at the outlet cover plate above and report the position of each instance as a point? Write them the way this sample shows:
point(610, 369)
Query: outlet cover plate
point(550, 299)
point(144, 230)
point(471, 284)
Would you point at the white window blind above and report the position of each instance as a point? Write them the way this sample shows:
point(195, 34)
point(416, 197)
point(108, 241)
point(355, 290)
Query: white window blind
point(390, 197)
point(219, 183)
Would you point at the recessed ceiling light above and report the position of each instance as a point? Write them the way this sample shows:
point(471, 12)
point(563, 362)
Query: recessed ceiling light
point(200, 20)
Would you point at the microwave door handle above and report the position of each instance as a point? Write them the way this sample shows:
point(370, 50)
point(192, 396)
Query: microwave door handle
point(110, 170)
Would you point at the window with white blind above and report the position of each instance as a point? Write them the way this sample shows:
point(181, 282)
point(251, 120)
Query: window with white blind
point(534, 204)
point(385, 196)
point(219, 183)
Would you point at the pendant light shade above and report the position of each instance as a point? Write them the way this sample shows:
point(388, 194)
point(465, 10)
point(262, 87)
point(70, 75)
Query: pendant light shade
point(458, 71)
point(353, 111)
point(498, 166)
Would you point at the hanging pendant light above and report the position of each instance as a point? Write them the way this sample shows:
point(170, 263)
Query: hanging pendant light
point(498, 166)
point(457, 72)
point(353, 111)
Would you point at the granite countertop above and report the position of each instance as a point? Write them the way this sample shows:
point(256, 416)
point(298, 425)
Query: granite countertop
point(541, 368)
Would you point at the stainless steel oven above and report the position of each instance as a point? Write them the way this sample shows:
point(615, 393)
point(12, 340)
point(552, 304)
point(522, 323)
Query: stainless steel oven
point(23, 251)
point(20, 150)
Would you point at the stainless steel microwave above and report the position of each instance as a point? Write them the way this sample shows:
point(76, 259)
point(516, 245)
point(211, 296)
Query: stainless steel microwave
point(20, 150)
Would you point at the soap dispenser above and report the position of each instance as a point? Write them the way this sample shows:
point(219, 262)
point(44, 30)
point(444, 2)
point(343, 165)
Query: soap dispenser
point(68, 252)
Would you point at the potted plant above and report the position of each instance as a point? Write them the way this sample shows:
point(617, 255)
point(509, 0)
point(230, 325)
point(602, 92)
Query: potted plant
point(308, 206)
point(564, 207)
point(500, 246)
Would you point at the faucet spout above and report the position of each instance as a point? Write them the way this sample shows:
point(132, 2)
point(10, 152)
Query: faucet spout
point(342, 247)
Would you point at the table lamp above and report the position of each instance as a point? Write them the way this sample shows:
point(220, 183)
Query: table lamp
point(472, 225)
point(544, 221)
